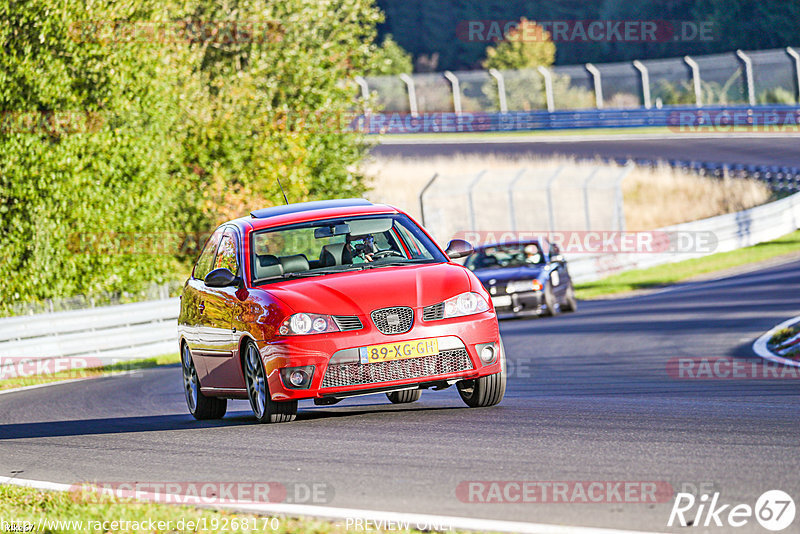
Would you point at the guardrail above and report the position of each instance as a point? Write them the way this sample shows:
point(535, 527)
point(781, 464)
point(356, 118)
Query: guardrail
point(126, 331)
point(682, 119)
point(731, 231)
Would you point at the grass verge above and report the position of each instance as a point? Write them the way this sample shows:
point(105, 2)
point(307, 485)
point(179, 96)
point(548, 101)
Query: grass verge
point(664, 275)
point(27, 507)
point(12, 378)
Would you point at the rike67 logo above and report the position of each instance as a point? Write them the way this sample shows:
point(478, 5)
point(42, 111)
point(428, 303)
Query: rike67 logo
point(774, 510)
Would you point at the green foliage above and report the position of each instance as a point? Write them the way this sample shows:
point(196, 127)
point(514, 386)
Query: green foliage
point(390, 59)
point(164, 134)
point(525, 47)
point(778, 95)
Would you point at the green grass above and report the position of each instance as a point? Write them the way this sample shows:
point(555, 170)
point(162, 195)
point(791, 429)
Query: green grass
point(664, 275)
point(132, 365)
point(29, 505)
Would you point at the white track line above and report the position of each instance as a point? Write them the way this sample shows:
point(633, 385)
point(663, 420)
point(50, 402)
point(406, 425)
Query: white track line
point(760, 345)
point(474, 138)
point(329, 512)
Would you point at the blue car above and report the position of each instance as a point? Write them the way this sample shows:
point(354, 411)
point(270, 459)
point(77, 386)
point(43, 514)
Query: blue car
point(525, 278)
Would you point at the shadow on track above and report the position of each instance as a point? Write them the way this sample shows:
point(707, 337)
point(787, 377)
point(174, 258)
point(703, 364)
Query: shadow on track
point(159, 423)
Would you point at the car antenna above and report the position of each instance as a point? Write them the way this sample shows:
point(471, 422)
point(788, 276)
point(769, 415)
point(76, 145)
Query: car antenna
point(282, 191)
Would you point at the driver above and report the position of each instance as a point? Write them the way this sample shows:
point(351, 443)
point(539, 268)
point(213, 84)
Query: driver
point(362, 248)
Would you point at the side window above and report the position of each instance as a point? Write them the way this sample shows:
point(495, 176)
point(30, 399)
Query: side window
point(203, 265)
point(226, 254)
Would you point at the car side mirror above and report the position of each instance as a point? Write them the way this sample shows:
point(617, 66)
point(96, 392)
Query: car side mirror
point(222, 277)
point(458, 248)
point(558, 258)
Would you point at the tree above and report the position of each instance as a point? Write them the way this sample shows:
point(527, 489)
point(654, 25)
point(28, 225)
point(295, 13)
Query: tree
point(525, 46)
point(390, 59)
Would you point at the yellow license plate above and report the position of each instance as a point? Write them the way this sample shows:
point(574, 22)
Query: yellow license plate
point(402, 350)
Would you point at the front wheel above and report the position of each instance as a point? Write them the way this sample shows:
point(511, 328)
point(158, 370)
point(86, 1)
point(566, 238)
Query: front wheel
point(570, 302)
point(404, 397)
point(200, 406)
point(550, 302)
point(265, 409)
point(487, 390)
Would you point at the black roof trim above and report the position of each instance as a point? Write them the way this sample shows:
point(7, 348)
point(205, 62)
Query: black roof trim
point(309, 206)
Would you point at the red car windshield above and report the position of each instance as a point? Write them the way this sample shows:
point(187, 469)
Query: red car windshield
point(336, 245)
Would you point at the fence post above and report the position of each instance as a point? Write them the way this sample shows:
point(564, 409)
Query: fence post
point(550, 209)
point(748, 71)
point(598, 85)
point(586, 183)
point(472, 221)
point(698, 82)
point(511, 211)
point(422, 194)
point(548, 88)
point(362, 82)
point(453, 79)
point(412, 94)
point(796, 57)
point(618, 199)
point(645, 74)
point(501, 89)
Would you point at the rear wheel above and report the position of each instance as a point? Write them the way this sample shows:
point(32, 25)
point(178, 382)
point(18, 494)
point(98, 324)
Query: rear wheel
point(570, 302)
point(404, 397)
point(265, 409)
point(200, 406)
point(486, 390)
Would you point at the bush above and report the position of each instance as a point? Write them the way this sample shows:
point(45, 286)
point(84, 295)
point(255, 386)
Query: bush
point(171, 135)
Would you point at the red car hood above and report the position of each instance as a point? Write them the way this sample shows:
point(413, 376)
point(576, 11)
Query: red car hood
point(360, 292)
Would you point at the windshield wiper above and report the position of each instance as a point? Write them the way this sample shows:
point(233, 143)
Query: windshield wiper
point(320, 272)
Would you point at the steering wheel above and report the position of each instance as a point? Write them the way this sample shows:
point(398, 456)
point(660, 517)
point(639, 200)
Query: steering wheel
point(386, 253)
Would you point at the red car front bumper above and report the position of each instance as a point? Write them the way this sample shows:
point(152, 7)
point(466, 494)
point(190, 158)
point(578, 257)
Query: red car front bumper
point(338, 372)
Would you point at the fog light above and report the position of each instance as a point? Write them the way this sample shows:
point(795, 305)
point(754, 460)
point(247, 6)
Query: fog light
point(487, 353)
point(297, 377)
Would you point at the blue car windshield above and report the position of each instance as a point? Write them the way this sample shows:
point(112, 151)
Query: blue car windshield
point(506, 256)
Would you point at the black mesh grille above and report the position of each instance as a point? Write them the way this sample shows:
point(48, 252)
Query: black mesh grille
point(346, 322)
point(393, 320)
point(433, 313)
point(354, 374)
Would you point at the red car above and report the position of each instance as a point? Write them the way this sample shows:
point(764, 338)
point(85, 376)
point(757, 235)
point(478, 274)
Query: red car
point(329, 300)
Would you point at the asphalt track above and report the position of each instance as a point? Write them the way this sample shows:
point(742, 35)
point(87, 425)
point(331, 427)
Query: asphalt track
point(589, 399)
point(734, 149)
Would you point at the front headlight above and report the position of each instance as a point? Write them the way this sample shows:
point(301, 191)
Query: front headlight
point(521, 286)
point(464, 304)
point(303, 324)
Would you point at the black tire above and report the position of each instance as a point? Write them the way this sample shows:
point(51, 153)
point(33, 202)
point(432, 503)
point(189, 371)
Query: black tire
point(570, 302)
point(264, 408)
point(550, 301)
point(487, 390)
point(200, 406)
point(405, 396)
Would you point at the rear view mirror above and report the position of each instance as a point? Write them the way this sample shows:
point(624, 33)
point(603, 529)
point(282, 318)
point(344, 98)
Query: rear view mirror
point(458, 248)
point(221, 278)
point(330, 231)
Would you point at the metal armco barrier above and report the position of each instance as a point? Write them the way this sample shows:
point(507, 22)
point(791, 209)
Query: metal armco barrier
point(126, 331)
